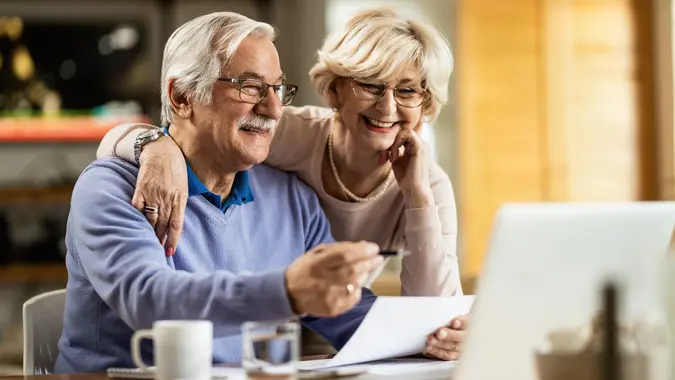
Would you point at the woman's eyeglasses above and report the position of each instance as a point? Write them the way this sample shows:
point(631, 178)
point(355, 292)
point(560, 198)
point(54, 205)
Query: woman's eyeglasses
point(409, 97)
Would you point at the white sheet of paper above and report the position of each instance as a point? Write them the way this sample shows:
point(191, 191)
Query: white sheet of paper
point(406, 365)
point(396, 327)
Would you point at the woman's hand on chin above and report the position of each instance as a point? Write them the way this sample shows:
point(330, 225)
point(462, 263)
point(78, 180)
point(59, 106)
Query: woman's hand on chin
point(410, 161)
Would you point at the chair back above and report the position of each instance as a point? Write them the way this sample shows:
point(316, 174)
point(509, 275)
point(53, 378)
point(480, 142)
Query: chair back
point(42, 327)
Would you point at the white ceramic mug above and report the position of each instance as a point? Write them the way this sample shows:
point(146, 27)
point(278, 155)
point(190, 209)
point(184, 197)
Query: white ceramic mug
point(182, 349)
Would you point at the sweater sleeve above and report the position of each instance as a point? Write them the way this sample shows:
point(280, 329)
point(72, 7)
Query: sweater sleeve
point(431, 236)
point(296, 136)
point(336, 330)
point(116, 248)
point(119, 141)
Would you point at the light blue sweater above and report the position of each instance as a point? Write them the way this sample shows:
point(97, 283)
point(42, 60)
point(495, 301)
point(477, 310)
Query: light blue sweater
point(228, 267)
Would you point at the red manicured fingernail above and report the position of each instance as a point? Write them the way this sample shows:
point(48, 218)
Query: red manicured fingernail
point(169, 252)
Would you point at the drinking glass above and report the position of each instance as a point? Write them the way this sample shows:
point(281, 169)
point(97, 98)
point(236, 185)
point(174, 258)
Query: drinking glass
point(270, 349)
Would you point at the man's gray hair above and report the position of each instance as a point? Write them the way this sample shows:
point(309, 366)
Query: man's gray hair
point(198, 50)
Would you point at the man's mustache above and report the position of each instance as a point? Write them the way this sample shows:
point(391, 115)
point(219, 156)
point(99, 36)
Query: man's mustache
point(257, 122)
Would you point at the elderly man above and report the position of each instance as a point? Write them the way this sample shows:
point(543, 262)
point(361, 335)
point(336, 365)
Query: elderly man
point(256, 245)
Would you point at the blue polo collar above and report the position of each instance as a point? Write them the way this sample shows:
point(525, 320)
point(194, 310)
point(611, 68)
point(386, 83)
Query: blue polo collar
point(240, 194)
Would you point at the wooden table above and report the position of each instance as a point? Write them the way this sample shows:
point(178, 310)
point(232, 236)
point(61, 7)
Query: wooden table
point(74, 376)
point(431, 375)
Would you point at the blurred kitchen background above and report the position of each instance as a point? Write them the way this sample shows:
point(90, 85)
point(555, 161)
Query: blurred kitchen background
point(551, 100)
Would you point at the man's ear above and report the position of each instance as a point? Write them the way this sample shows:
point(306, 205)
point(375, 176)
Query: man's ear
point(180, 103)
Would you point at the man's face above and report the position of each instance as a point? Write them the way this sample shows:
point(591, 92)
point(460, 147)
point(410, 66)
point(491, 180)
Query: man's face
point(241, 132)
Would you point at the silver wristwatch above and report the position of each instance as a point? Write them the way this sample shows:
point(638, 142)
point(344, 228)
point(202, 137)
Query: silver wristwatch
point(144, 138)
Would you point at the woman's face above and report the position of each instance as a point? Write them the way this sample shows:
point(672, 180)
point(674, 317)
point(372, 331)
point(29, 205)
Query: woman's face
point(374, 122)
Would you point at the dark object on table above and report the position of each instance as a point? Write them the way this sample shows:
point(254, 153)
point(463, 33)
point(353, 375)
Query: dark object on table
point(610, 350)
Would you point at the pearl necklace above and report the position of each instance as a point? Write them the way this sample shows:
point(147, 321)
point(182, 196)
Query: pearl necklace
point(349, 194)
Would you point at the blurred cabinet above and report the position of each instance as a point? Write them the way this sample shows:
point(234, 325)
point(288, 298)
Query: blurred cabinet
point(44, 144)
point(555, 104)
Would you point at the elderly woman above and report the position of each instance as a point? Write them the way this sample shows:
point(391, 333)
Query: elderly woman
point(382, 75)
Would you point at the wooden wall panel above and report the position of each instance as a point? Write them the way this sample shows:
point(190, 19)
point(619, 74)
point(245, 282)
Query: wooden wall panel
point(593, 53)
point(500, 134)
point(554, 105)
point(662, 15)
point(647, 76)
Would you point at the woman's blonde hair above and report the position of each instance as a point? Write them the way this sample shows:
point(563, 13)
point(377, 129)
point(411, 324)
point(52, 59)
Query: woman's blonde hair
point(381, 43)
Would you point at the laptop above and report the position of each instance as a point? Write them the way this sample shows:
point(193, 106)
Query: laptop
point(544, 269)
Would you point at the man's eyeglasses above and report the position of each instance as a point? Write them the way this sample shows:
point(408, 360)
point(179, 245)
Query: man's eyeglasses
point(254, 91)
point(409, 97)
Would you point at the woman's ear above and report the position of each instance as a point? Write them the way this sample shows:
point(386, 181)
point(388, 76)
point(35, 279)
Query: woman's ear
point(332, 95)
point(180, 103)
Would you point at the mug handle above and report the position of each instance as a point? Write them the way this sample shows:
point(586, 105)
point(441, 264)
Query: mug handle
point(136, 348)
